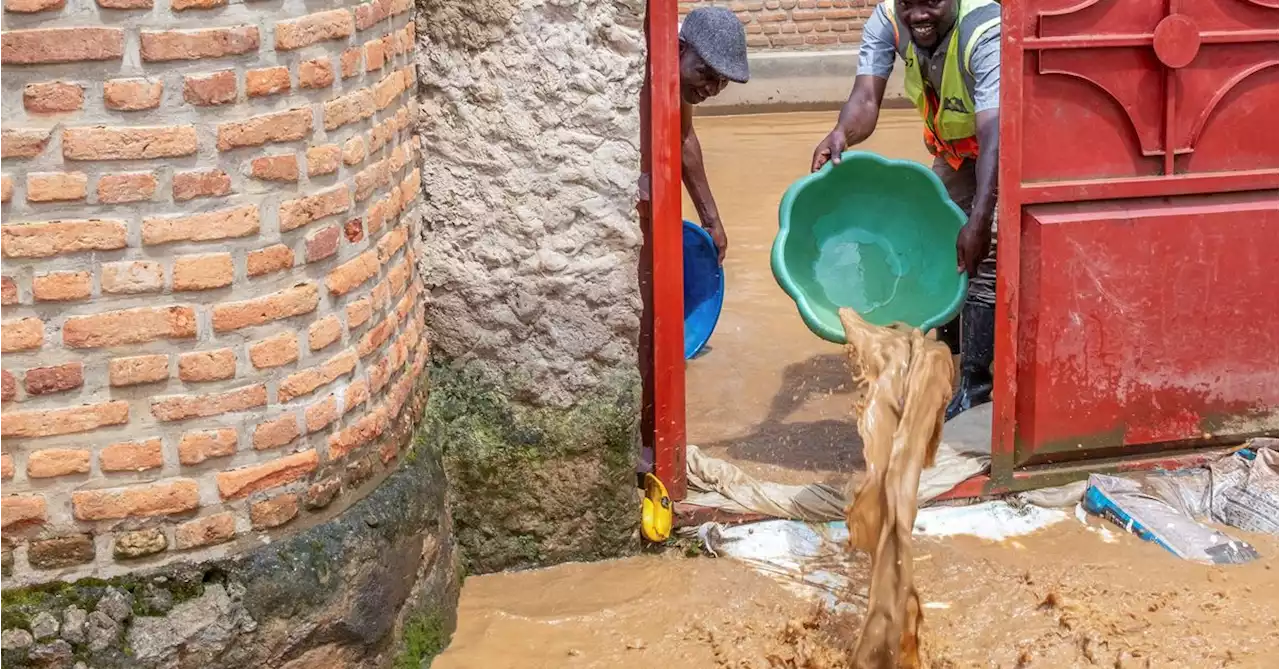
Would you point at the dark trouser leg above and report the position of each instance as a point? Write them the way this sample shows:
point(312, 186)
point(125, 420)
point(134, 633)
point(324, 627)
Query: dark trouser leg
point(975, 326)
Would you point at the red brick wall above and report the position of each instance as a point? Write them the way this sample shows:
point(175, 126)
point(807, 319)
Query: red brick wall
point(210, 308)
point(791, 25)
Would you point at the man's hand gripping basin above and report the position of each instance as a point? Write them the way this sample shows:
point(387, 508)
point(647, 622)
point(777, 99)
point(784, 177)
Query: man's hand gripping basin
point(872, 234)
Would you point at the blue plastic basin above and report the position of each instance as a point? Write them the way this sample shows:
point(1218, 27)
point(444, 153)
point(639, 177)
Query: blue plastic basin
point(703, 288)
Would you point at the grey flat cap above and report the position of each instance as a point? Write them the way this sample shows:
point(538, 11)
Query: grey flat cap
point(716, 35)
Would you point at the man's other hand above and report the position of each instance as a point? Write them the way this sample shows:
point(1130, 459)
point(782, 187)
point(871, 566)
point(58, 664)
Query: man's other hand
point(972, 246)
point(829, 149)
point(716, 230)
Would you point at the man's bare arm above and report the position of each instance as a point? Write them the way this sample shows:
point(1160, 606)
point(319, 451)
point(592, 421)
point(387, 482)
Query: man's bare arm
point(694, 174)
point(974, 240)
point(857, 120)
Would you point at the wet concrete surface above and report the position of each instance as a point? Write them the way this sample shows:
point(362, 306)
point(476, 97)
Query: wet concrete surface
point(1062, 598)
point(767, 394)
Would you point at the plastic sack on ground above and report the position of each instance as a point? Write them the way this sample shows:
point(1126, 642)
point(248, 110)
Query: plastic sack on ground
point(1244, 491)
point(1136, 508)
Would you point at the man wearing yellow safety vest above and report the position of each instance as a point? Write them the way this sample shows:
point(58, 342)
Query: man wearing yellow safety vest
point(951, 49)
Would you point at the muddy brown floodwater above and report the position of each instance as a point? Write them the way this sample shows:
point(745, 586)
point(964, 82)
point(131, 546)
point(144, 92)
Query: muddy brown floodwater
point(1058, 599)
point(768, 395)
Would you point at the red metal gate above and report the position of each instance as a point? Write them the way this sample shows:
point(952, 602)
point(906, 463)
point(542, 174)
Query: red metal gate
point(1138, 232)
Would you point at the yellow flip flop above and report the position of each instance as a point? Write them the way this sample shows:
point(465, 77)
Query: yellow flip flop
point(656, 516)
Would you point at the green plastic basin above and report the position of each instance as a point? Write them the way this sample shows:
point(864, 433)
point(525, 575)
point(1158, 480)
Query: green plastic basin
point(873, 234)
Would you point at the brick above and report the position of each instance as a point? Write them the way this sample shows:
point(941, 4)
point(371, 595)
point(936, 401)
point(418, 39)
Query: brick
point(282, 167)
point(267, 81)
point(390, 243)
point(821, 39)
point(207, 531)
point(61, 286)
point(138, 369)
point(347, 276)
point(355, 106)
point(70, 420)
point(102, 143)
point(183, 5)
point(61, 552)
point(353, 230)
point(207, 90)
point(132, 94)
point(321, 414)
point(316, 73)
point(388, 90)
point(294, 301)
point(167, 45)
point(307, 381)
point(274, 512)
point(182, 407)
point(200, 445)
point(8, 291)
point(375, 337)
point(43, 240)
point(285, 126)
point(322, 243)
point(54, 379)
point(353, 152)
point(21, 510)
point(374, 55)
point(359, 312)
point(297, 213)
point(23, 334)
point(6, 189)
point(276, 433)
point(350, 62)
point(52, 462)
point(132, 277)
point(322, 493)
point(129, 326)
point(56, 186)
point(125, 4)
point(139, 543)
point(205, 183)
point(200, 366)
point(203, 272)
point(9, 385)
point(323, 159)
point(377, 216)
point(126, 187)
point(363, 431)
point(313, 28)
point(23, 142)
point(60, 45)
point(157, 499)
point(370, 178)
point(274, 351)
point(274, 258)
point(6, 467)
point(208, 226)
point(132, 456)
point(245, 481)
point(324, 332)
point(369, 14)
point(52, 97)
point(357, 393)
point(33, 6)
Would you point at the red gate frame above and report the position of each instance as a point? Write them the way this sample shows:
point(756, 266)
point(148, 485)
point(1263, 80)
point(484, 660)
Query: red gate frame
point(660, 157)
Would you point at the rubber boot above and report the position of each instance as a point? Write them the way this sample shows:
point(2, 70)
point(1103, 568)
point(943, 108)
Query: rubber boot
point(977, 349)
point(949, 334)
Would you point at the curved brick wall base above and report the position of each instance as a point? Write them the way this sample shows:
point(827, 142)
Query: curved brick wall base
point(336, 595)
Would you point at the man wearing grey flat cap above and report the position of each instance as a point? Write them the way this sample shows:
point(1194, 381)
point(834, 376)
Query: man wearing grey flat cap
point(713, 52)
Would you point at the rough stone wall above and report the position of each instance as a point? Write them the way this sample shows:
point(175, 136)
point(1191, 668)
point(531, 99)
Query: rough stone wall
point(211, 314)
point(530, 127)
point(531, 155)
point(796, 25)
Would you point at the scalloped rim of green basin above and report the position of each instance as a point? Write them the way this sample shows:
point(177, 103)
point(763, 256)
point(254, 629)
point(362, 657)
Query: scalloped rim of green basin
point(781, 275)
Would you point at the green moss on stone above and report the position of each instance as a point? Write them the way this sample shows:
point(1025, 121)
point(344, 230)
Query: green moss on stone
point(425, 636)
point(531, 486)
point(20, 605)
